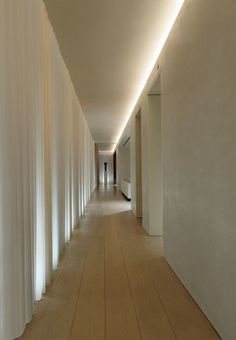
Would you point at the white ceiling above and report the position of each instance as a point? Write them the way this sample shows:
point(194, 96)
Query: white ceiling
point(108, 46)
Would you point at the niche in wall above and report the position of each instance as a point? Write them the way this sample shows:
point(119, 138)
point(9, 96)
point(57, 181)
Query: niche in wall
point(124, 183)
point(138, 163)
point(155, 185)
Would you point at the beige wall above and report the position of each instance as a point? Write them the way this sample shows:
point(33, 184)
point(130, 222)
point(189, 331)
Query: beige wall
point(198, 73)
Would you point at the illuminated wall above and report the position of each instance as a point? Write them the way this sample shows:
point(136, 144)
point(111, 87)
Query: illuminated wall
point(198, 137)
point(46, 160)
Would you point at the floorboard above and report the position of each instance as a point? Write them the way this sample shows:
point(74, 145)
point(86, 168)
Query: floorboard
point(113, 283)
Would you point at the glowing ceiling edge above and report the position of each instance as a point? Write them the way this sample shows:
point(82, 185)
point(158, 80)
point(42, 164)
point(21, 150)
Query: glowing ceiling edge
point(106, 152)
point(151, 65)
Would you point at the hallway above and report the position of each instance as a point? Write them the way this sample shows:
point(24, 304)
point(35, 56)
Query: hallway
point(113, 283)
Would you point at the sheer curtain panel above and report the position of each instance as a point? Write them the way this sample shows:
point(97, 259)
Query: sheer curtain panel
point(47, 167)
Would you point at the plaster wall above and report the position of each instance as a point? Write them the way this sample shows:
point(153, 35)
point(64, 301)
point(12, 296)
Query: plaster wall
point(199, 135)
point(197, 67)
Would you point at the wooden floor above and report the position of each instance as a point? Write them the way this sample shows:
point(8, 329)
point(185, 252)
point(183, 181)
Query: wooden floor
point(114, 284)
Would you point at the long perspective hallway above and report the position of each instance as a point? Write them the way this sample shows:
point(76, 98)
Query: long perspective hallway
point(114, 283)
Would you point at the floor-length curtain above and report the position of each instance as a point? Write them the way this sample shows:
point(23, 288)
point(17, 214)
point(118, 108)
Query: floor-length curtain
point(16, 177)
point(46, 160)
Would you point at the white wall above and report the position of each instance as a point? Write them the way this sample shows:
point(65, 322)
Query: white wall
point(198, 73)
point(108, 158)
point(46, 160)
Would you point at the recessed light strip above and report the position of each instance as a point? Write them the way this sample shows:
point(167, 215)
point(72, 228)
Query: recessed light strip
point(151, 65)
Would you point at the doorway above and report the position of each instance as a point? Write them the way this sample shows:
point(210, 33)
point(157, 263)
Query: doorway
point(124, 165)
point(155, 182)
point(138, 163)
point(105, 168)
point(114, 168)
point(105, 172)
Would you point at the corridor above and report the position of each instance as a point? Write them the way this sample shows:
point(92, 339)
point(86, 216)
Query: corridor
point(113, 283)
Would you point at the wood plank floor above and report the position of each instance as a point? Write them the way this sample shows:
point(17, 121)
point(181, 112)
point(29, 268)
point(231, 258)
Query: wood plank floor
point(114, 284)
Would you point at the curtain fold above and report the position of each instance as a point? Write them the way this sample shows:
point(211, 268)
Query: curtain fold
point(47, 172)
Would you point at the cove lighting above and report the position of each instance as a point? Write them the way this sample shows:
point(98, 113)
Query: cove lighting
point(171, 20)
point(106, 152)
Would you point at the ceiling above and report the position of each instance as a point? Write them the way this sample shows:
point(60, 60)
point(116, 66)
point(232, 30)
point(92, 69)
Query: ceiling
point(108, 46)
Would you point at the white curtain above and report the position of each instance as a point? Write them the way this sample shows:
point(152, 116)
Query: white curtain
point(47, 167)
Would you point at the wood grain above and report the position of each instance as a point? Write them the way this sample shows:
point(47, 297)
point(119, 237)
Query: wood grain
point(113, 283)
